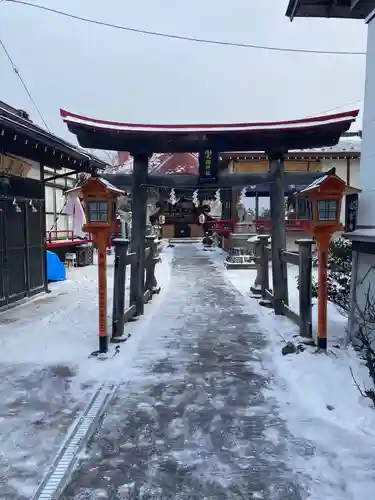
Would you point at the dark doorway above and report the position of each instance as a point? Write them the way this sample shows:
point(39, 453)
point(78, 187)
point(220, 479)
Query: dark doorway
point(182, 230)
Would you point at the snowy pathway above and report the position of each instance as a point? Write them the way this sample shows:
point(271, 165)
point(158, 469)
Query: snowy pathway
point(47, 379)
point(190, 420)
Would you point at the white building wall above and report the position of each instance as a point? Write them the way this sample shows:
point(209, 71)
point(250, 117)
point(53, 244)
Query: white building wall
point(363, 283)
point(366, 213)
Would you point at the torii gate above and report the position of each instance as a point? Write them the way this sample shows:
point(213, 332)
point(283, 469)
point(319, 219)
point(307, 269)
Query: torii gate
point(274, 138)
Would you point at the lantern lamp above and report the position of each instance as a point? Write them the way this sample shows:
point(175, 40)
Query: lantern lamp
point(328, 210)
point(323, 200)
point(97, 211)
point(99, 198)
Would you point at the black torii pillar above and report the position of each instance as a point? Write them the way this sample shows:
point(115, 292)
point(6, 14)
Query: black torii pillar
point(138, 234)
point(278, 240)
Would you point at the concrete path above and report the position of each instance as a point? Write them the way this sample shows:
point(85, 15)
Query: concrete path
point(193, 423)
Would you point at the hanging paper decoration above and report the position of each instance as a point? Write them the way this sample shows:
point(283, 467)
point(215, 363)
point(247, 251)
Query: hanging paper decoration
point(195, 198)
point(172, 197)
point(202, 219)
point(217, 196)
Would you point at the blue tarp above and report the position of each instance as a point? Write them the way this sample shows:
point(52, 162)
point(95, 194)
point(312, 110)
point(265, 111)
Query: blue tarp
point(55, 268)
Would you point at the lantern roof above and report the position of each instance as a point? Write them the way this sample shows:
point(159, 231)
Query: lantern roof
point(316, 184)
point(103, 182)
point(311, 132)
point(320, 182)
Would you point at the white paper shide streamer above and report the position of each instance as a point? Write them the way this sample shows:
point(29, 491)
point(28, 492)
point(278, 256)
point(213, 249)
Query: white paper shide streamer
point(172, 197)
point(195, 198)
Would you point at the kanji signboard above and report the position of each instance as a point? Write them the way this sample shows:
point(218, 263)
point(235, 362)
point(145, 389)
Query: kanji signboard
point(208, 165)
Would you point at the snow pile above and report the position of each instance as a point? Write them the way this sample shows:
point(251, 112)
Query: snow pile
point(62, 327)
point(318, 398)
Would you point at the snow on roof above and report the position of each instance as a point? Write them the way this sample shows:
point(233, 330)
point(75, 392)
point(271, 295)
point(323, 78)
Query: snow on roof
point(127, 166)
point(110, 186)
point(162, 163)
point(104, 182)
point(345, 145)
point(178, 163)
point(317, 182)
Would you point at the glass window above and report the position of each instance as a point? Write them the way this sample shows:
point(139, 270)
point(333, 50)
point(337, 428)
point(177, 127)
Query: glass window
point(328, 209)
point(50, 199)
point(62, 222)
point(302, 209)
point(309, 210)
point(60, 200)
point(50, 222)
point(98, 211)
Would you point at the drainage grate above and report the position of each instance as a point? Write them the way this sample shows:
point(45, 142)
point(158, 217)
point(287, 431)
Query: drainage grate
point(65, 461)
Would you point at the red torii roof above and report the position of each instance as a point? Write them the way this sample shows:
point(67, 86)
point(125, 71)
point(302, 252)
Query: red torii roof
point(292, 134)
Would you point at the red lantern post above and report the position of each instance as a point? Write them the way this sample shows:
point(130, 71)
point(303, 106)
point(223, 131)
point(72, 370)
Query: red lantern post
point(99, 199)
point(323, 199)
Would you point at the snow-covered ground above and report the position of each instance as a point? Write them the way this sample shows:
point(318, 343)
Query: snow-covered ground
point(318, 398)
point(47, 377)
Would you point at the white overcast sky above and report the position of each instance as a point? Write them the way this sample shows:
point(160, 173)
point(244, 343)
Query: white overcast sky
point(111, 74)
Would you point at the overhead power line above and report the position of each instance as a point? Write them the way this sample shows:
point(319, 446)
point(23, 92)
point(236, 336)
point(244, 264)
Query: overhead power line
point(16, 70)
point(335, 108)
point(184, 38)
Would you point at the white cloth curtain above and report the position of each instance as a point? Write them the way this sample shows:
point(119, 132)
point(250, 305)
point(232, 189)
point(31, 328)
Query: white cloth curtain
point(75, 209)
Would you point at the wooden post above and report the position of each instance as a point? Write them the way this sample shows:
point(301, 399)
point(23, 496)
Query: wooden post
point(43, 223)
point(322, 243)
point(256, 205)
point(137, 244)
point(352, 319)
point(150, 243)
point(279, 267)
point(101, 241)
point(305, 285)
point(264, 260)
point(121, 250)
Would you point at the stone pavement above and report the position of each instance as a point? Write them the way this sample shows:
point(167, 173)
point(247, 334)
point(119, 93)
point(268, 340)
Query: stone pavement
point(193, 422)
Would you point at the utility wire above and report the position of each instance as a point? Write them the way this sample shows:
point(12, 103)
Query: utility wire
point(185, 38)
point(334, 109)
point(16, 70)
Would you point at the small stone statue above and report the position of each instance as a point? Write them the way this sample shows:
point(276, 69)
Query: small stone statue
point(207, 240)
point(256, 288)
